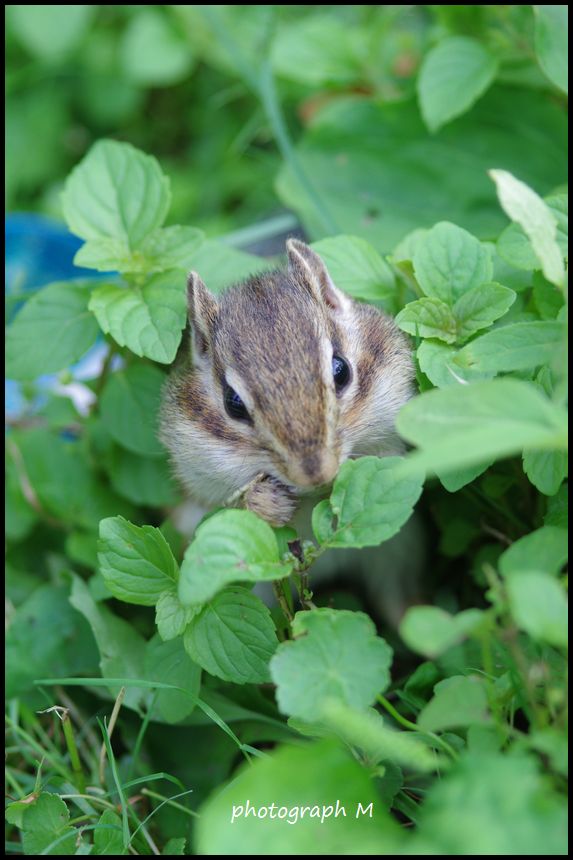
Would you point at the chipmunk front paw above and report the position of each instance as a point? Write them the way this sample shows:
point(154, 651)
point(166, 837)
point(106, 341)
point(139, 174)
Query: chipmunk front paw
point(270, 499)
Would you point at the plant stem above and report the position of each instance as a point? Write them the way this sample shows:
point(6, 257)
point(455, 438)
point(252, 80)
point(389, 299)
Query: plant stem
point(414, 728)
point(73, 751)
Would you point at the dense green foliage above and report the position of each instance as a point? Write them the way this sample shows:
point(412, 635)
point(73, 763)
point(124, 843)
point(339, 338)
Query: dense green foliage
point(143, 673)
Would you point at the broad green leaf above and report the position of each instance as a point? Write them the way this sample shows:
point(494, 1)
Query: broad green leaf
point(53, 330)
point(20, 516)
point(317, 51)
point(369, 501)
point(453, 75)
point(49, 32)
point(129, 407)
point(546, 469)
point(108, 834)
point(149, 320)
point(492, 804)
point(121, 647)
point(231, 546)
point(469, 424)
point(169, 663)
point(514, 246)
point(517, 346)
point(45, 821)
point(454, 479)
point(430, 631)
point(480, 307)
point(538, 604)
point(233, 637)
point(458, 701)
point(558, 509)
point(342, 657)
point(525, 207)
point(116, 192)
point(356, 267)
point(315, 776)
point(449, 262)
point(135, 561)
point(437, 361)
point(551, 42)
point(175, 846)
point(171, 617)
point(153, 52)
point(142, 480)
point(544, 549)
point(172, 247)
point(428, 317)
point(548, 299)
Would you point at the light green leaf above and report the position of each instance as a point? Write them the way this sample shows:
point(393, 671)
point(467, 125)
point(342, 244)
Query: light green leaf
point(108, 834)
point(233, 637)
point(548, 299)
point(544, 549)
point(428, 317)
point(49, 32)
point(458, 701)
point(480, 307)
point(370, 503)
point(129, 407)
point(220, 265)
point(169, 663)
point(517, 346)
point(153, 53)
point(172, 247)
point(449, 262)
point(317, 50)
point(546, 469)
point(315, 776)
point(231, 546)
point(175, 846)
point(551, 42)
point(149, 321)
point(171, 617)
point(166, 248)
point(437, 361)
point(454, 479)
point(142, 480)
point(342, 657)
point(356, 267)
point(514, 246)
point(53, 330)
point(430, 631)
point(135, 561)
point(525, 207)
point(469, 424)
point(43, 822)
point(116, 192)
point(109, 255)
point(538, 605)
point(453, 75)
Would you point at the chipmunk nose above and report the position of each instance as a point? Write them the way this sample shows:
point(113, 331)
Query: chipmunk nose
point(315, 469)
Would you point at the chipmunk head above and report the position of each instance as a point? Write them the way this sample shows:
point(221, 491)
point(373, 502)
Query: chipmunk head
point(288, 378)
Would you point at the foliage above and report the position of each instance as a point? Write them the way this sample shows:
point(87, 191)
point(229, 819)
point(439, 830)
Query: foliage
point(453, 725)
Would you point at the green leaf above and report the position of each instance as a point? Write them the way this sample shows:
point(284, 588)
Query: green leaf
point(356, 267)
point(517, 346)
point(317, 51)
point(548, 299)
point(116, 192)
point(525, 207)
point(220, 265)
point(437, 361)
point(492, 804)
point(129, 407)
point(108, 834)
point(538, 605)
point(150, 320)
point(49, 32)
point(430, 631)
point(469, 424)
point(172, 247)
point(233, 637)
point(558, 509)
point(544, 549)
point(551, 42)
point(458, 701)
point(370, 503)
point(45, 821)
point(546, 469)
point(135, 561)
point(449, 262)
point(169, 663)
point(171, 617)
point(53, 330)
point(315, 776)
point(453, 75)
point(231, 546)
point(152, 51)
point(142, 480)
point(480, 307)
point(514, 246)
point(175, 846)
point(334, 655)
point(428, 317)
point(454, 479)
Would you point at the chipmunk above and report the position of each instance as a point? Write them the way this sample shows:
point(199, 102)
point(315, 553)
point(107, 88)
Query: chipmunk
point(287, 378)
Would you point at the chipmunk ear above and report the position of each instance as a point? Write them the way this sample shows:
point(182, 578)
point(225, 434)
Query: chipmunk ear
point(202, 311)
point(306, 266)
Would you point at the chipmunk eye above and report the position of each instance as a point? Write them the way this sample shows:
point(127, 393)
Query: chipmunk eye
point(341, 372)
point(234, 405)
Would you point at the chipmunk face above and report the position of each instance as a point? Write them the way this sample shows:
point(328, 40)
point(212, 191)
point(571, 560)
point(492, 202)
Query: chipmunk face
point(288, 378)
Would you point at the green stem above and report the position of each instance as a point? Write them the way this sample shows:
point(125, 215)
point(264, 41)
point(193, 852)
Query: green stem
point(414, 728)
point(73, 751)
